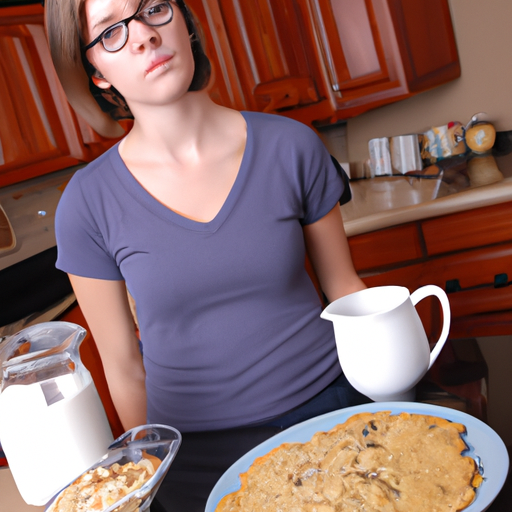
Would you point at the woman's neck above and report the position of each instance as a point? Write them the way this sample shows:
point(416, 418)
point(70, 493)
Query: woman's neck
point(176, 132)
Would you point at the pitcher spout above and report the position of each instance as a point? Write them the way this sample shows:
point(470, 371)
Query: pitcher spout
point(326, 315)
point(40, 352)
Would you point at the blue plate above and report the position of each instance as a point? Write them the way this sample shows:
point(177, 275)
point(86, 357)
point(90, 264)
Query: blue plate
point(485, 446)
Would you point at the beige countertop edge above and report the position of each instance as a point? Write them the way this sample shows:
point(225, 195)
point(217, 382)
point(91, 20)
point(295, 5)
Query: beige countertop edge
point(462, 201)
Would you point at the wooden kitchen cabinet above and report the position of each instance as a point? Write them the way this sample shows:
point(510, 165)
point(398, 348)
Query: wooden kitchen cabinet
point(393, 49)
point(386, 247)
point(262, 55)
point(324, 60)
point(39, 132)
point(468, 254)
point(317, 61)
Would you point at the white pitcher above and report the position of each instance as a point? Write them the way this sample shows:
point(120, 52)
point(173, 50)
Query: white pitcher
point(382, 345)
point(52, 422)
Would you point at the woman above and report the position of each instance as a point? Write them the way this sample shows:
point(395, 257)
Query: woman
point(205, 214)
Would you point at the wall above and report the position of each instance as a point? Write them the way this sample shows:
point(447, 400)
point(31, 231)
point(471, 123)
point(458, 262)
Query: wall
point(484, 40)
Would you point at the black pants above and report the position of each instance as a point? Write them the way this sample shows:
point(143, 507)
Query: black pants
point(204, 456)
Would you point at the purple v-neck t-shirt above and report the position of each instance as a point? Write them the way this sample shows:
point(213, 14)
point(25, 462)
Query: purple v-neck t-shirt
point(229, 318)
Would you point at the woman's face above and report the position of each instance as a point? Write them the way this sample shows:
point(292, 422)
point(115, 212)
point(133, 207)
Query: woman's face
point(156, 64)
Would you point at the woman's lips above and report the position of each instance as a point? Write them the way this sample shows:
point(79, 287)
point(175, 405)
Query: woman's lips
point(159, 62)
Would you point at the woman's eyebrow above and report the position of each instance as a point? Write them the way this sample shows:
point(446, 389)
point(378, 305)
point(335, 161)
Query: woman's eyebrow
point(107, 19)
point(103, 21)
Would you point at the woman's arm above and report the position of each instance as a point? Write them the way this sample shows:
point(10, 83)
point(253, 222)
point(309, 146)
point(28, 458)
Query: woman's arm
point(106, 309)
point(329, 252)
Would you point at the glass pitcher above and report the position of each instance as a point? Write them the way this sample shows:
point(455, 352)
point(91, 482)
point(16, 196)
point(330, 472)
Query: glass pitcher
point(52, 423)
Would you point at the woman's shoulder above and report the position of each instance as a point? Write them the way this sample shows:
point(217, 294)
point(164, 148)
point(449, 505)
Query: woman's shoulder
point(280, 132)
point(277, 124)
point(92, 186)
point(96, 173)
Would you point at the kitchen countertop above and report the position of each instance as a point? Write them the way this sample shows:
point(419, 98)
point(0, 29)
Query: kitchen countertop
point(30, 207)
point(376, 203)
point(387, 201)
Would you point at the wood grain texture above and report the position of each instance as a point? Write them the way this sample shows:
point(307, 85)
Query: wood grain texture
point(385, 247)
point(472, 228)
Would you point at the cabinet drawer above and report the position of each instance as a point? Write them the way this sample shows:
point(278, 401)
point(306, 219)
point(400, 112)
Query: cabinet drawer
point(470, 269)
point(479, 308)
point(489, 324)
point(474, 228)
point(482, 300)
point(386, 247)
point(475, 268)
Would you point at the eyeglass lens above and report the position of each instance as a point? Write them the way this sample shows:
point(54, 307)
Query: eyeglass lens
point(155, 14)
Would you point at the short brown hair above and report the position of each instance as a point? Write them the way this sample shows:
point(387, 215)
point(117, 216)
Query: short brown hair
point(65, 19)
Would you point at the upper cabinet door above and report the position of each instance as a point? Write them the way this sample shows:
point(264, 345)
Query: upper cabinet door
point(379, 51)
point(30, 129)
point(225, 87)
point(262, 55)
point(426, 39)
point(352, 44)
point(39, 132)
point(268, 45)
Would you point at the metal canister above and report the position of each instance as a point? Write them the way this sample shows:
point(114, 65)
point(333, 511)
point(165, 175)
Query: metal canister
point(405, 153)
point(380, 157)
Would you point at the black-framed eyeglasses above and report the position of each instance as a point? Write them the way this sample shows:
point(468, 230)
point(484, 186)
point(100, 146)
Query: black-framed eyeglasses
point(155, 14)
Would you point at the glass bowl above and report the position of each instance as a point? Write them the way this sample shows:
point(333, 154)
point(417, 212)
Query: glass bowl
point(158, 441)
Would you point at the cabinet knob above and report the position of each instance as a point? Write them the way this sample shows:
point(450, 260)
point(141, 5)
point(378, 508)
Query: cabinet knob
point(453, 286)
point(500, 280)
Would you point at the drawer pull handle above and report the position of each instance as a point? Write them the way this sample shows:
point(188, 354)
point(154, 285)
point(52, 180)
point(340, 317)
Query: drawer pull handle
point(453, 286)
point(500, 280)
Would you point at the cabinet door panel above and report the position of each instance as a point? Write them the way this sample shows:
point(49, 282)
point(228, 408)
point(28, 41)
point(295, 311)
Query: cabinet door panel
point(380, 51)
point(427, 42)
point(475, 304)
point(352, 44)
point(30, 130)
point(354, 37)
point(224, 88)
point(39, 132)
point(271, 56)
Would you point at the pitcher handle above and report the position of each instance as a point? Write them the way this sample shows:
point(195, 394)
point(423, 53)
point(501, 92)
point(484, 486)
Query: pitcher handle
point(427, 291)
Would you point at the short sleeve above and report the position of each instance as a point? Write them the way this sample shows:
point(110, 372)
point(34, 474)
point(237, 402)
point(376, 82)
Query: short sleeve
point(81, 249)
point(323, 183)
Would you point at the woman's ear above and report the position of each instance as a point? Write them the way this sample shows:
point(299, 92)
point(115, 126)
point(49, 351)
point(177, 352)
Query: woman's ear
point(100, 81)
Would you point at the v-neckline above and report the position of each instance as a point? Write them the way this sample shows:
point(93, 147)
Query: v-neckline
point(133, 186)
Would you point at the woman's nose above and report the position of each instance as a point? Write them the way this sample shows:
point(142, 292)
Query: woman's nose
point(141, 35)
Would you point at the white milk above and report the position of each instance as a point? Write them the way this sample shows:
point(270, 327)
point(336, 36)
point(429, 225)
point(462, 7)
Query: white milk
point(47, 447)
